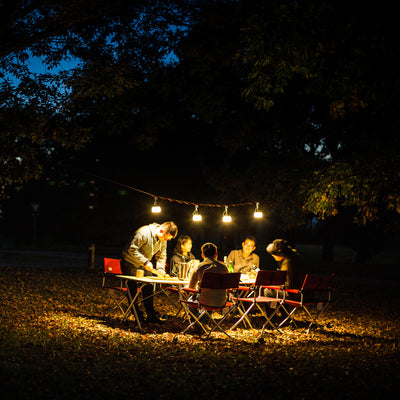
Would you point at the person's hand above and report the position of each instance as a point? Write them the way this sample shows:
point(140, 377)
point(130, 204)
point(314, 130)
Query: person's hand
point(148, 266)
point(160, 273)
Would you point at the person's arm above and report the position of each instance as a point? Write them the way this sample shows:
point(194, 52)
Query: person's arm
point(133, 254)
point(161, 259)
point(193, 279)
point(285, 266)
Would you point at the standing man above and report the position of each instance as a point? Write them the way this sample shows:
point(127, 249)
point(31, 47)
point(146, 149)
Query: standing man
point(148, 241)
point(245, 260)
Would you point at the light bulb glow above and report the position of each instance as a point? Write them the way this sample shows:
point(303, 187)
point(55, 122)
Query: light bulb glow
point(226, 217)
point(155, 208)
point(196, 216)
point(257, 212)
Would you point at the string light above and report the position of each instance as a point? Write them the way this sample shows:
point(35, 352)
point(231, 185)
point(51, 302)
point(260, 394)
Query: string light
point(155, 208)
point(257, 212)
point(226, 217)
point(196, 216)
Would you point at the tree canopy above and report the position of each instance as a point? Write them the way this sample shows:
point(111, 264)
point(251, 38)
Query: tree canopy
point(292, 103)
point(114, 46)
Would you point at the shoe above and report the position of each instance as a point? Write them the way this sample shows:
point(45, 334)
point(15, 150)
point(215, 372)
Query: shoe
point(139, 314)
point(154, 318)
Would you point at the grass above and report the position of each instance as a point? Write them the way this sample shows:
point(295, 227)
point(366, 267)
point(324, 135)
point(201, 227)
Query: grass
point(55, 344)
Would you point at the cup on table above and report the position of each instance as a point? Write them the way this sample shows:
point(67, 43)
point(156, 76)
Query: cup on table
point(182, 270)
point(139, 273)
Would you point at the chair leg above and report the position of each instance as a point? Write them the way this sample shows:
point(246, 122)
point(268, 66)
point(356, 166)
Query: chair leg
point(118, 304)
point(243, 316)
point(218, 324)
point(196, 320)
point(314, 319)
point(269, 320)
point(289, 316)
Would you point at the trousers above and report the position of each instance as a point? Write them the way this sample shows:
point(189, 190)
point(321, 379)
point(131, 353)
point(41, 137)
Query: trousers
point(147, 290)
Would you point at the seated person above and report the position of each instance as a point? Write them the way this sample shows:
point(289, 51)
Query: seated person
point(288, 259)
point(209, 252)
point(181, 254)
point(244, 260)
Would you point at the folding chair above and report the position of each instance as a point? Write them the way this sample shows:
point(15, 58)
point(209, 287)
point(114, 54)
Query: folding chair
point(264, 279)
point(114, 285)
point(209, 282)
point(315, 293)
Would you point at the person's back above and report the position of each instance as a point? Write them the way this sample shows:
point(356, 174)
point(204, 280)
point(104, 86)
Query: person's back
point(211, 297)
point(288, 260)
point(214, 297)
point(295, 270)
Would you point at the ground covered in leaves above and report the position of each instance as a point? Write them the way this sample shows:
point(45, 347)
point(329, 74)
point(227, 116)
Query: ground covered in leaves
point(56, 344)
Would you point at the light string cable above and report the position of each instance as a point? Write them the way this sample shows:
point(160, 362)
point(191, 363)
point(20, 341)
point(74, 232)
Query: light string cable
point(156, 197)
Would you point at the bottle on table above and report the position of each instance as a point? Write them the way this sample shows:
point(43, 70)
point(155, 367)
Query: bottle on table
point(230, 267)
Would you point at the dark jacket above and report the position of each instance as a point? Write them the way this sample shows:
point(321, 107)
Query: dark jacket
point(176, 259)
point(295, 270)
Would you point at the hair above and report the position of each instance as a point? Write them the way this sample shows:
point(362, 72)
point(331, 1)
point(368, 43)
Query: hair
point(209, 250)
point(250, 237)
point(279, 247)
point(170, 228)
point(181, 241)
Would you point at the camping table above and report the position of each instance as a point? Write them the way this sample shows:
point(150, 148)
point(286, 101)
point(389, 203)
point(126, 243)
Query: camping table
point(153, 280)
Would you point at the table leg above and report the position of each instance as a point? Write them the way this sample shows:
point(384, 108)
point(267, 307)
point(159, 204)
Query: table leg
point(132, 305)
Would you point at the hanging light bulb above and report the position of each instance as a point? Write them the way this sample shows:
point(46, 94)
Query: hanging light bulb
point(225, 216)
point(257, 212)
point(196, 216)
point(155, 208)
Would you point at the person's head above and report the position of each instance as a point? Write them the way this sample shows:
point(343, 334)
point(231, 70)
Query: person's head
point(209, 250)
point(183, 245)
point(279, 249)
point(167, 231)
point(248, 245)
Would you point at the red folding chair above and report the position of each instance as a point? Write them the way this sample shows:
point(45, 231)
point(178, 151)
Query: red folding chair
point(114, 285)
point(314, 297)
point(228, 282)
point(264, 279)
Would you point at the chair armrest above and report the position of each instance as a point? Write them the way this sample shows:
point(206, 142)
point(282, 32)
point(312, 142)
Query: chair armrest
point(189, 290)
point(274, 287)
point(246, 288)
point(294, 291)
